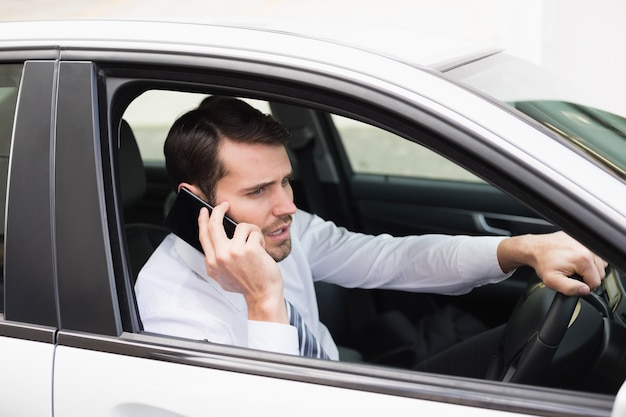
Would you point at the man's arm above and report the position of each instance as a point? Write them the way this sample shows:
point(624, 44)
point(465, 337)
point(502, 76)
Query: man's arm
point(555, 258)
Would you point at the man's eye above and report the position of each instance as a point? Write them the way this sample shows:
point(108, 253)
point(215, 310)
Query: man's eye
point(286, 181)
point(257, 191)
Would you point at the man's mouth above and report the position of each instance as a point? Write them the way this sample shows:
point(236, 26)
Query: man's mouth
point(277, 232)
point(280, 230)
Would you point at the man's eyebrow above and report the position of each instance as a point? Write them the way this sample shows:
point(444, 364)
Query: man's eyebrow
point(257, 186)
point(254, 187)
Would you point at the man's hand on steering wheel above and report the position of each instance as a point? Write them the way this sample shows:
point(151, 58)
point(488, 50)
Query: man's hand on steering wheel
point(555, 257)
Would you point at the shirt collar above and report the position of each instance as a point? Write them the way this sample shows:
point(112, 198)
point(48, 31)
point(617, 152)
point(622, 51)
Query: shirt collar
point(195, 261)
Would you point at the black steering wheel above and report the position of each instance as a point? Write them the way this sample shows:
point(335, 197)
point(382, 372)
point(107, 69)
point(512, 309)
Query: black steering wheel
point(534, 333)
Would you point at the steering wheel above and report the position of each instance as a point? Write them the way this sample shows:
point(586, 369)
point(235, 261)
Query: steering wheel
point(534, 333)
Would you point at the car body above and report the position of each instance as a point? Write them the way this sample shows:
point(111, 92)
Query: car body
point(71, 341)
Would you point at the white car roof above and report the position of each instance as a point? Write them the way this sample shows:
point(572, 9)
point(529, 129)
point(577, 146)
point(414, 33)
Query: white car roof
point(414, 47)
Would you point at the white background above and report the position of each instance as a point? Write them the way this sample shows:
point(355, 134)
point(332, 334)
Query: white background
point(580, 39)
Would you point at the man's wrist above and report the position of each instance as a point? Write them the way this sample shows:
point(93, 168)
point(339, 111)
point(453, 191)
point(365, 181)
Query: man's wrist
point(267, 309)
point(514, 252)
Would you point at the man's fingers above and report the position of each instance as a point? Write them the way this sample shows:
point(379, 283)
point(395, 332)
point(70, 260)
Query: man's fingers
point(587, 275)
point(220, 252)
point(566, 285)
point(601, 265)
point(256, 236)
point(592, 270)
point(203, 226)
point(216, 223)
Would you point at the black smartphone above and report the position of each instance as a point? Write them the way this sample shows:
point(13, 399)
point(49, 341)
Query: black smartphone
point(182, 219)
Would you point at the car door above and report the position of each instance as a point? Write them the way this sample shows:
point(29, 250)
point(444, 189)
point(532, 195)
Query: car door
point(100, 366)
point(105, 365)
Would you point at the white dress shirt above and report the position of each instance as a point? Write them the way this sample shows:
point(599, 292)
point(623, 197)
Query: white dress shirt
point(176, 296)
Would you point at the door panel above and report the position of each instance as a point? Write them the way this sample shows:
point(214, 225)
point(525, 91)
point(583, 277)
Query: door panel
point(26, 360)
point(404, 206)
point(137, 378)
point(103, 384)
point(401, 187)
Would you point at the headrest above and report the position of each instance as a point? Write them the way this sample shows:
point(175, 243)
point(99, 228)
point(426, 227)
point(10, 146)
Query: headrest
point(131, 169)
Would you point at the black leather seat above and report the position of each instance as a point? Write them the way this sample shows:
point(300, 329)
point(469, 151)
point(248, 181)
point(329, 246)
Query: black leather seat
point(141, 238)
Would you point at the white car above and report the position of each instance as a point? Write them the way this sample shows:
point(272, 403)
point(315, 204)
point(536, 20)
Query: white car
point(436, 139)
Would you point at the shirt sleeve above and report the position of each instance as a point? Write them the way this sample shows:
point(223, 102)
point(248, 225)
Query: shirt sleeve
point(429, 263)
point(273, 337)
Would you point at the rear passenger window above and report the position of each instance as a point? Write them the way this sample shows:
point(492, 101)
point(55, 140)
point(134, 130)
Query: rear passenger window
point(151, 115)
point(371, 150)
point(147, 200)
point(10, 75)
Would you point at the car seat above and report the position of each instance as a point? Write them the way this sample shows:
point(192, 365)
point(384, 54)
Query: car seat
point(141, 238)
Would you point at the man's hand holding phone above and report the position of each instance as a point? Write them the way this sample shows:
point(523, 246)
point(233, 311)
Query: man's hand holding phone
point(182, 218)
point(242, 265)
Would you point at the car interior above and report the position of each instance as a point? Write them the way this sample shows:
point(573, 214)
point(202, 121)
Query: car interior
point(382, 327)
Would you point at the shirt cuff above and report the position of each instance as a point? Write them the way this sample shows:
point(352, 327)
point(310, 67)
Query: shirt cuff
point(273, 337)
point(479, 260)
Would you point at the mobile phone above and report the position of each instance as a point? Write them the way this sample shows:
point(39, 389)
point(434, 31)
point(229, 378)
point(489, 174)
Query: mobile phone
point(182, 219)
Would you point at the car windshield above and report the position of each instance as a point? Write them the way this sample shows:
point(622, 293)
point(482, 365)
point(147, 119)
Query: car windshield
point(573, 114)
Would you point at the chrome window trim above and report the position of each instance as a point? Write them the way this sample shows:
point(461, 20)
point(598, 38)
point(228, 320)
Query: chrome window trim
point(26, 331)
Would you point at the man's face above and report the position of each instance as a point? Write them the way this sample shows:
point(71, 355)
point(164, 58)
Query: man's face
point(258, 190)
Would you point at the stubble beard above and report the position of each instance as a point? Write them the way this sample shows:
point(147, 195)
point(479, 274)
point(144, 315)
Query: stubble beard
point(280, 251)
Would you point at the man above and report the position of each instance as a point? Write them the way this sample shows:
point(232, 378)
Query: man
point(242, 291)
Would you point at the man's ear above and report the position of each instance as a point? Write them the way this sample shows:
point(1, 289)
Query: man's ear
point(195, 190)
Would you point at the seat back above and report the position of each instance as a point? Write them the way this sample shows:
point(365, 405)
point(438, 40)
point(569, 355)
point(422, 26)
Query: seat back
point(132, 172)
point(141, 238)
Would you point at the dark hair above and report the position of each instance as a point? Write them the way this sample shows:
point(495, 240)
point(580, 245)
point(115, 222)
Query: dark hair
point(192, 144)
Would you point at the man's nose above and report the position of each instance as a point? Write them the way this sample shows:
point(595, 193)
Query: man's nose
point(284, 202)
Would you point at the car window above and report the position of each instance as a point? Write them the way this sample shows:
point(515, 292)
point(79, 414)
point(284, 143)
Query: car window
point(151, 114)
point(371, 150)
point(9, 84)
point(464, 205)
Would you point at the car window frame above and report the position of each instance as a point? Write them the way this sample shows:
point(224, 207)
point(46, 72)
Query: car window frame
point(242, 84)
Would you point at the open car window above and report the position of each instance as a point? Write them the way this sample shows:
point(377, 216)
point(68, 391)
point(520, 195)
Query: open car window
point(394, 186)
point(152, 114)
